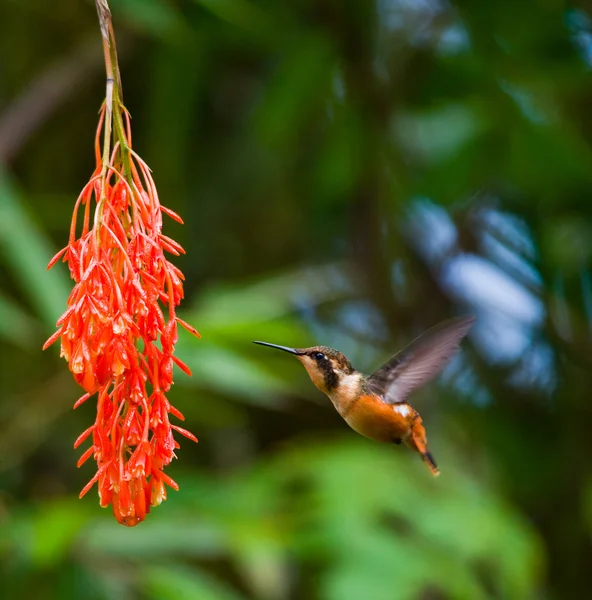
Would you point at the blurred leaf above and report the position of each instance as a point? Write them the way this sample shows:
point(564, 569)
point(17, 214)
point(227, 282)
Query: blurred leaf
point(155, 16)
point(77, 581)
point(16, 325)
point(231, 318)
point(46, 536)
point(270, 298)
point(568, 244)
point(27, 252)
point(301, 85)
point(155, 538)
point(338, 167)
point(242, 13)
point(435, 134)
point(181, 583)
point(228, 372)
point(415, 531)
point(264, 565)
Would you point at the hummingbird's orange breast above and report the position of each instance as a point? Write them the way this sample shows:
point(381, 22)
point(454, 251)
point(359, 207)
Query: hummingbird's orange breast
point(377, 420)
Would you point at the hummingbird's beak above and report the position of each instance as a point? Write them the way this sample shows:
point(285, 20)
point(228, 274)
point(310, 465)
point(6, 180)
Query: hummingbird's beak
point(284, 348)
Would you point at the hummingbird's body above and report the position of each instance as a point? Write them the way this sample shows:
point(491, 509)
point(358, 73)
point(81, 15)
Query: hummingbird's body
point(376, 406)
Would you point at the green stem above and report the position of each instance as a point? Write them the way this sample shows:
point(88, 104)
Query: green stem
point(119, 107)
point(113, 124)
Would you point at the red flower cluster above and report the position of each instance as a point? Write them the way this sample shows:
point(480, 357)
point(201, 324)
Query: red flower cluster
point(120, 329)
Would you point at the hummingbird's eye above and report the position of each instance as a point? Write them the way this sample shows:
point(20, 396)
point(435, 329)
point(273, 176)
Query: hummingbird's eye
point(318, 356)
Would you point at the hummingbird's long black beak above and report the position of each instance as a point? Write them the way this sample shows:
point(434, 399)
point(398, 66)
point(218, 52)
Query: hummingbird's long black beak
point(284, 348)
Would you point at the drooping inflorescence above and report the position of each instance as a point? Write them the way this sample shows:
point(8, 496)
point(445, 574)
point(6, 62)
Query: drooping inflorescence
point(119, 331)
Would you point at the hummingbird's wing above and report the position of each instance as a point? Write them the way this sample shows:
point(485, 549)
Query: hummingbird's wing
point(420, 361)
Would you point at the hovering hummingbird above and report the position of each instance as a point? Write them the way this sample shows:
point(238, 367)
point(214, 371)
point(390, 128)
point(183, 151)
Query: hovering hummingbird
point(376, 406)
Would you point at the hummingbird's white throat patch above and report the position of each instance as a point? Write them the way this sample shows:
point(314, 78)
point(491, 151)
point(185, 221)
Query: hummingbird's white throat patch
point(348, 388)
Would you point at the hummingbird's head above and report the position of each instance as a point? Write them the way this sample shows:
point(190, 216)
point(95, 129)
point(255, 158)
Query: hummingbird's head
point(327, 367)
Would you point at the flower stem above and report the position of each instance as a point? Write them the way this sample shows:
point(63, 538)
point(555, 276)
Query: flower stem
point(113, 107)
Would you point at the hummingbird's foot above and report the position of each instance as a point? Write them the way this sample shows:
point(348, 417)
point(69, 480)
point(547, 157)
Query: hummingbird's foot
point(397, 441)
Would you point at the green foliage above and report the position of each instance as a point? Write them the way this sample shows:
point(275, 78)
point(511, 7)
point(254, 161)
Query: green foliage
point(360, 512)
point(349, 174)
point(27, 251)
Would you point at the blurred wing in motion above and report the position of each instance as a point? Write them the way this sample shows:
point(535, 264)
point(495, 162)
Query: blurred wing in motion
point(420, 361)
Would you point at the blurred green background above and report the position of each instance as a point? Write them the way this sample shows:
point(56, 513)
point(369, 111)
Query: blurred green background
point(350, 173)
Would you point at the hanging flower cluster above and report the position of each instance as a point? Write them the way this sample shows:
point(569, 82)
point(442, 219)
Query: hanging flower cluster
point(119, 332)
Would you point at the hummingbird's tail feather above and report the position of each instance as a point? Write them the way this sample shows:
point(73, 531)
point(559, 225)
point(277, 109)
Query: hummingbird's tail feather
point(417, 441)
point(428, 459)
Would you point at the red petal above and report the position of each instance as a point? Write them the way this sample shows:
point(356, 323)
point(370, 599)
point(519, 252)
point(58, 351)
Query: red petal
point(85, 457)
point(81, 400)
point(168, 480)
point(172, 214)
point(189, 328)
point(61, 320)
point(56, 257)
point(94, 479)
point(176, 412)
point(176, 271)
point(88, 485)
point(169, 244)
point(184, 432)
point(166, 246)
point(83, 436)
point(52, 339)
point(182, 365)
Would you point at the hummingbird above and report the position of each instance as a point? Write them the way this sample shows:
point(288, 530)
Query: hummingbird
point(376, 406)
